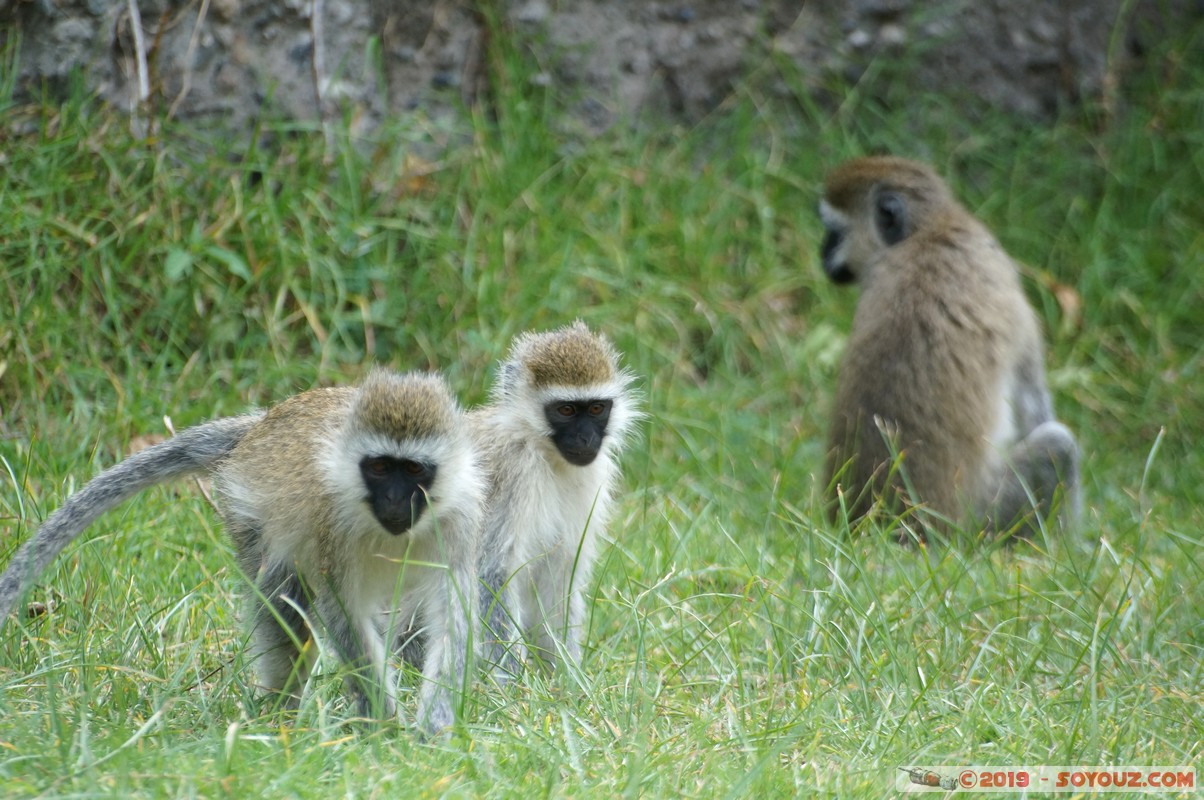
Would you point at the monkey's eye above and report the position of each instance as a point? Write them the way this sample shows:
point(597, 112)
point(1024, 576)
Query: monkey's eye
point(596, 408)
point(566, 409)
point(413, 468)
point(376, 467)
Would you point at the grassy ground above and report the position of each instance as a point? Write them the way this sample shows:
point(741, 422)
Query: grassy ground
point(739, 645)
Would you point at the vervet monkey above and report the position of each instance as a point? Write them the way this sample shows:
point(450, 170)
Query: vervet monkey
point(943, 375)
point(354, 509)
point(550, 438)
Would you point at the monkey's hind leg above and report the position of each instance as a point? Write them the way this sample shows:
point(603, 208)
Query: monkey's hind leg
point(1040, 470)
point(280, 633)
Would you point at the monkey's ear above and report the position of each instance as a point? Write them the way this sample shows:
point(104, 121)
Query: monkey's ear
point(509, 377)
point(890, 217)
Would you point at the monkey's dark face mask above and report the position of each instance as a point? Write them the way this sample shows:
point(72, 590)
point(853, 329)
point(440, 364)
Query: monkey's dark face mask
point(578, 427)
point(844, 258)
point(397, 490)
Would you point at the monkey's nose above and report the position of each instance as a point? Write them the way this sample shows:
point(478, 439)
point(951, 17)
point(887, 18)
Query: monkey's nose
point(839, 273)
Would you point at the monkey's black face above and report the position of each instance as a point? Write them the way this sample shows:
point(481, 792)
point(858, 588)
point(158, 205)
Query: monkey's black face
point(397, 490)
point(578, 427)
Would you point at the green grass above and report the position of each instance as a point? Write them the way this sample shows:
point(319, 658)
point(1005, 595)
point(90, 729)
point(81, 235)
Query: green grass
point(739, 645)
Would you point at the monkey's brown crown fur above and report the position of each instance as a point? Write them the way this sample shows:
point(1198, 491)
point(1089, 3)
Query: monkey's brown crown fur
point(569, 356)
point(414, 406)
point(846, 185)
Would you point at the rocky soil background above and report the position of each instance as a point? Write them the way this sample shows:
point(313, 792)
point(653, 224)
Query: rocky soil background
point(231, 61)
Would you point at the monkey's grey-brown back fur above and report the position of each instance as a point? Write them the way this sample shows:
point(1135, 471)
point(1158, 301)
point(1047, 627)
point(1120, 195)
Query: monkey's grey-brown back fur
point(194, 450)
point(943, 375)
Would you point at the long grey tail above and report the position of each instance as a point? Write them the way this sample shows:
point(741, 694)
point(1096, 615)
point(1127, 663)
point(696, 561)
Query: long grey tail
point(193, 450)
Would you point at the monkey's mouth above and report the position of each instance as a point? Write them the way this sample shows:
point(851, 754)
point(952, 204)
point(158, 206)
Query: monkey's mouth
point(395, 525)
point(579, 457)
point(397, 514)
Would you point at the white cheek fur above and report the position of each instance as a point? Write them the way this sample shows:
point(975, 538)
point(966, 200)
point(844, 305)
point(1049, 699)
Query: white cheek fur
point(832, 218)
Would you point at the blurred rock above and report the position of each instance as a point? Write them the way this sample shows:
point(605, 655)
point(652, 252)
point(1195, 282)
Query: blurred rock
point(225, 60)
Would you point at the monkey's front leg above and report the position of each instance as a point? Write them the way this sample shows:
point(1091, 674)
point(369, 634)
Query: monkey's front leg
point(359, 642)
point(576, 625)
point(556, 601)
point(502, 648)
point(447, 617)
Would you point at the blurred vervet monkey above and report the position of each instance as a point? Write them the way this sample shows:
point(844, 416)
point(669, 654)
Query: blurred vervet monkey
point(326, 497)
point(944, 365)
point(550, 438)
